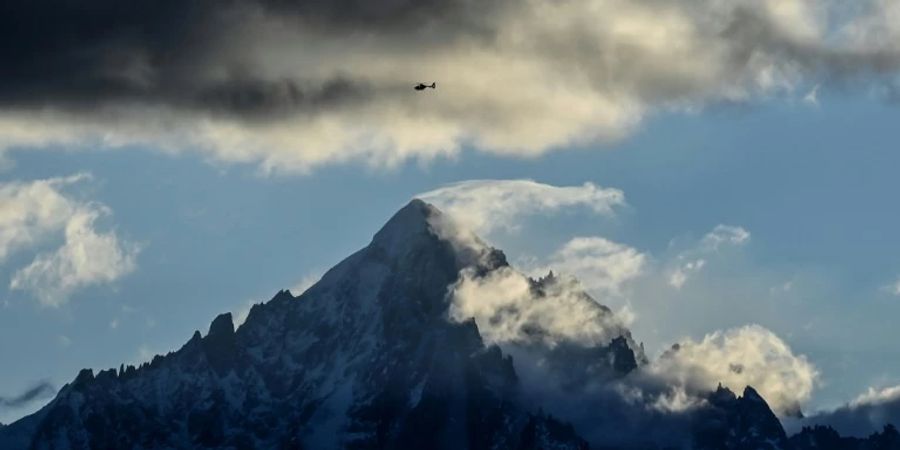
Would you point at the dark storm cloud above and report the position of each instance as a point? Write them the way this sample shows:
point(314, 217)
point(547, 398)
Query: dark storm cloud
point(40, 390)
point(79, 55)
point(85, 54)
point(296, 84)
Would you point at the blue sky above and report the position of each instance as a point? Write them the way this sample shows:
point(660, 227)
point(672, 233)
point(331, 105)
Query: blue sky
point(159, 166)
point(813, 184)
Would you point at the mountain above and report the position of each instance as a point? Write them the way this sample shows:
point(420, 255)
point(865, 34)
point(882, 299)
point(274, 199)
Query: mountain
point(820, 437)
point(738, 422)
point(367, 358)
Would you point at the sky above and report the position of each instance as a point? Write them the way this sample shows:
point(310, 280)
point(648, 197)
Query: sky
point(700, 166)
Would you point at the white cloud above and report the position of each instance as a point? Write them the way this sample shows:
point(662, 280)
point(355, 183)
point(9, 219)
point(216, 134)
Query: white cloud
point(86, 258)
point(509, 308)
point(725, 235)
point(739, 357)
point(32, 213)
point(602, 266)
point(874, 396)
point(484, 206)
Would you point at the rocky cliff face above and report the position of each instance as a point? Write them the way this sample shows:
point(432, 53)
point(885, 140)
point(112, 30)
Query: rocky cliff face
point(364, 359)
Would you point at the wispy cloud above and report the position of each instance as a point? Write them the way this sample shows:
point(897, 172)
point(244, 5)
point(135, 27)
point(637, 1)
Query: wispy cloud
point(306, 282)
point(604, 267)
point(40, 390)
point(893, 288)
point(690, 262)
point(725, 235)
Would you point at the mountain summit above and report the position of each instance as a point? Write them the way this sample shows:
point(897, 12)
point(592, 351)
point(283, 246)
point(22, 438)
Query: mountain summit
point(369, 358)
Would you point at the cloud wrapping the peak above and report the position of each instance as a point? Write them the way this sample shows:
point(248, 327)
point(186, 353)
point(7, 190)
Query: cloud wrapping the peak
point(294, 85)
point(510, 308)
point(552, 328)
point(747, 356)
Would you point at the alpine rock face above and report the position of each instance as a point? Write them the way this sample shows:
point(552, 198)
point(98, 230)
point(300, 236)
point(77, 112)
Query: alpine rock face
point(369, 358)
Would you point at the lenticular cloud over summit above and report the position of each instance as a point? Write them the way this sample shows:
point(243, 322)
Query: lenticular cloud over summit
point(486, 206)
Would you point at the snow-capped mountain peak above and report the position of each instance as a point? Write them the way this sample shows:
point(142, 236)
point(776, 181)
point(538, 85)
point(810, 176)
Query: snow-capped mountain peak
point(369, 357)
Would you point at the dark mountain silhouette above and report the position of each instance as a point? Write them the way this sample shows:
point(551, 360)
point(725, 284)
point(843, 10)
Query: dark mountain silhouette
point(367, 359)
point(825, 437)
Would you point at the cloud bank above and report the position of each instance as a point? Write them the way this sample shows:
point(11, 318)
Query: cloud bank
point(34, 213)
point(555, 333)
point(550, 322)
point(294, 85)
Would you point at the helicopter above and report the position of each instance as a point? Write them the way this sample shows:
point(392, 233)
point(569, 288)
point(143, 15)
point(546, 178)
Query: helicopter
point(423, 86)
